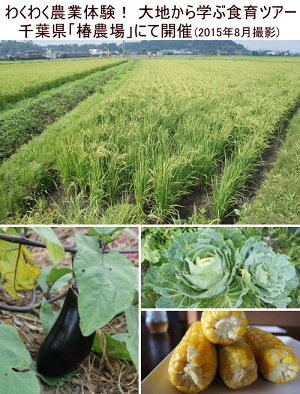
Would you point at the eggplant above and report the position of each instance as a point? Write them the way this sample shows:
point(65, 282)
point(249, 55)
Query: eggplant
point(64, 347)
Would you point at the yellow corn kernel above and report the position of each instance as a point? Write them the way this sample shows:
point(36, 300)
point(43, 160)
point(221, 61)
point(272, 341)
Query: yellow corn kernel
point(224, 327)
point(237, 366)
point(240, 331)
point(275, 360)
point(287, 360)
point(193, 363)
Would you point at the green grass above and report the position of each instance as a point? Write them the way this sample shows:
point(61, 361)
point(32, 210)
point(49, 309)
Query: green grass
point(32, 172)
point(22, 80)
point(277, 201)
point(30, 117)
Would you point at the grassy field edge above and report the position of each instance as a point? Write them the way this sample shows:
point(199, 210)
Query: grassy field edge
point(277, 202)
point(31, 116)
point(32, 171)
point(8, 100)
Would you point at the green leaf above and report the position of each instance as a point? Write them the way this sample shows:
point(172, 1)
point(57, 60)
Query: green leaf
point(270, 275)
point(16, 375)
point(113, 346)
point(42, 279)
point(151, 250)
point(122, 336)
point(105, 233)
point(56, 273)
point(56, 381)
point(47, 316)
point(54, 277)
point(153, 256)
point(106, 284)
point(100, 231)
point(223, 268)
point(62, 281)
point(132, 342)
point(54, 247)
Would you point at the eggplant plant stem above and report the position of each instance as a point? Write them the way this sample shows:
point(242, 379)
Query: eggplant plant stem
point(25, 241)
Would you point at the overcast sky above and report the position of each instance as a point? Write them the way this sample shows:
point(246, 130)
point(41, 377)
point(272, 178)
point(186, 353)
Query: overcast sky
point(292, 45)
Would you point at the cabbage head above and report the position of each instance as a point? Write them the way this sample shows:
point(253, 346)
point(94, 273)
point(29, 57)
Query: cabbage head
point(203, 271)
point(221, 268)
point(269, 275)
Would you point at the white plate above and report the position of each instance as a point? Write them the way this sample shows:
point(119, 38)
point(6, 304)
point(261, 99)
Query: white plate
point(157, 382)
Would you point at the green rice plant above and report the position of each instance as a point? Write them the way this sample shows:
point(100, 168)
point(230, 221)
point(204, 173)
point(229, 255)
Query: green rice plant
point(116, 176)
point(122, 213)
point(76, 206)
point(97, 177)
point(43, 212)
point(190, 121)
point(141, 181)
point(277, 201)
point(30, 117)
point(163, 188)
point(235, 173)
point(170, 180)
point(33, 171)
point(26, 79)
point(74, 164)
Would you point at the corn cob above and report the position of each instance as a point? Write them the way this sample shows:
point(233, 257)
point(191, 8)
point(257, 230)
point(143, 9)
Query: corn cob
point(275, 360)
point(224, 327)
point(237, 365)
point(194, 361)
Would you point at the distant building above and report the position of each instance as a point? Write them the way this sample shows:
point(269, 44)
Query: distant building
point(176, 52)
point(51, 54)
point(32, 55)
point(95, 52)
point(99, 52)
point(69, 55)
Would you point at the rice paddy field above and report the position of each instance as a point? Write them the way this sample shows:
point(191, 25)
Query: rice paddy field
point(26, 79)
point(155, 140)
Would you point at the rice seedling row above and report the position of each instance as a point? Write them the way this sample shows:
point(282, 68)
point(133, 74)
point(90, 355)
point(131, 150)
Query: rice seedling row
point(32, 172)
point(175, 124)
point(180, 123)
point(26, 79)
point(277, 200)
point(29, 117)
